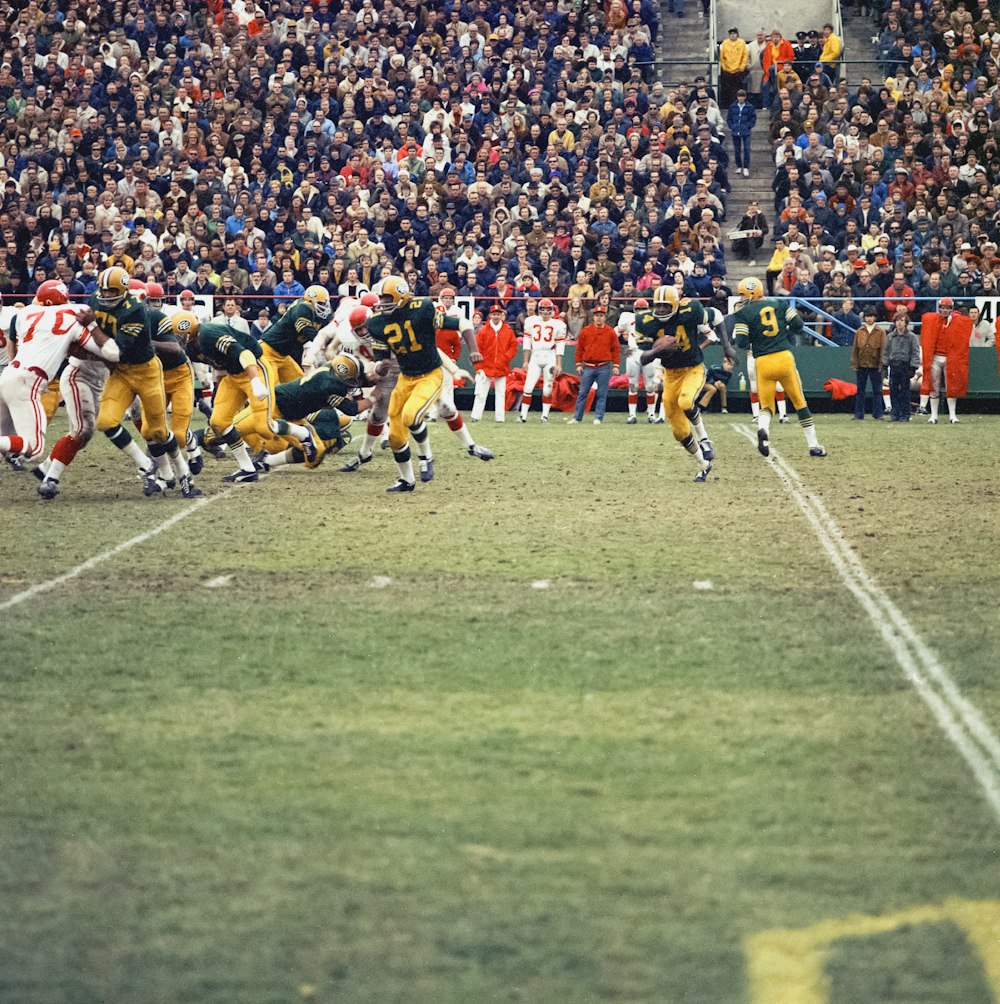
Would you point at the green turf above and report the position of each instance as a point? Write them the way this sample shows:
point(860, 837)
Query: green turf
point(457, 787)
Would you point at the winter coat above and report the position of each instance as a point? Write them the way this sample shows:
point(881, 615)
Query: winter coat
point(498, 348)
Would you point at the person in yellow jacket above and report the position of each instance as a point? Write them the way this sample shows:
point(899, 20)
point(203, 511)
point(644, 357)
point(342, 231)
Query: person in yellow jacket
point(777, 262)
point(833, 49)
point(734, 61)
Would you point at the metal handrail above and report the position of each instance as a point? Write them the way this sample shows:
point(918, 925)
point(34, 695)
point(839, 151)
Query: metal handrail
point(713, 46)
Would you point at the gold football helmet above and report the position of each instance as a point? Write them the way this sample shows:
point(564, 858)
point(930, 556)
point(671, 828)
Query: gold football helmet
point(112, 286)
point(665, 302)
point(348, 368)
point(750, 289)
point(184, 324)
point(393, 293)
point(318, 300)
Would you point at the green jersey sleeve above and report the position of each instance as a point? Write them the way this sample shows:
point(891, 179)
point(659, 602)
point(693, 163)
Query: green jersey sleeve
point(162, 332)
point(222, 347)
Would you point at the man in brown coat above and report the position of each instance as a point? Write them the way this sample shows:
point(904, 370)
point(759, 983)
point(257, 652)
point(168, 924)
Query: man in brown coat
point(866, 358)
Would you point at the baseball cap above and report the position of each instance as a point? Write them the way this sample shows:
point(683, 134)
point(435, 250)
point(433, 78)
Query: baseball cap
point(496, 309)
point(946, 301)
point(881, 261)
point(600, 310)
point(859, 265)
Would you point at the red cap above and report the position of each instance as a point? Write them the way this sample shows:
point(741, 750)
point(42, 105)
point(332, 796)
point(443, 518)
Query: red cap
point(881, 261)
point(496, 309)
point(946, 301)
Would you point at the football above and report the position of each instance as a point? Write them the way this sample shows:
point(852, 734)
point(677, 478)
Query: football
point(665, 344)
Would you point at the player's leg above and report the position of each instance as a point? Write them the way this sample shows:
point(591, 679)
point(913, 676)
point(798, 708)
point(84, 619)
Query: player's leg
point(548, 381)
point(651, 377)
point(399, 435)
point(450, 413)
point(22, 396)
point(788, 374)
point(532, 374)
point(680, 424)
point(230, 399)
point(765, 380)
point(754, 392)
point(632, 371)
point(938, 385)
point(422, 398)
point(82, 415)
point(116, 399)
point(952, 401)
point(283, 368)
point(691, 385)
point(779, 400)
point(178, 384)
point(171, 463)
point(377, 418)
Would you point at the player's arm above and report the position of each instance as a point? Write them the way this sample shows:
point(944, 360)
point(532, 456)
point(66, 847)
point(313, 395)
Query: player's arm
point(465, 330)
point(561, 334)
point(93, 339)
point(794, 322)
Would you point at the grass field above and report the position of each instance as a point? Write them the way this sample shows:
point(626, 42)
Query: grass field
point(491, 742)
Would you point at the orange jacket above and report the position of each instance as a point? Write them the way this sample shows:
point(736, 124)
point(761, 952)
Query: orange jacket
point(597, 344)
point(782, 53)
point(498, 348)
point(955, 342)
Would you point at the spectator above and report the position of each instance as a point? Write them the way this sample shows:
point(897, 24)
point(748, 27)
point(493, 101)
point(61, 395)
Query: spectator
point(983, 331)
point(742, 120)
point(866, 361)
point(734, 61)
point(901, 358)
point(899, 295)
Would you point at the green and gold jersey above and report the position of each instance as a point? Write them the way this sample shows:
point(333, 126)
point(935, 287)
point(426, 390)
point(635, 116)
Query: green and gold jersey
point(766, 326)
point(326, 422)
point(316, 390)
point(162, 332)
point(129, 325)
point(683, 324)
point(296, 326)
point(223, 347)
point(410, 334)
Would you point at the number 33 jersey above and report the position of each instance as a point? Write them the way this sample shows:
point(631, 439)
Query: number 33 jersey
point(410, 334)
point(764, 326)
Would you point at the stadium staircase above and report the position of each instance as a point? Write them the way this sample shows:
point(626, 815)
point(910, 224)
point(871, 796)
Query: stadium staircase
point(858, 32)
point(682, 45)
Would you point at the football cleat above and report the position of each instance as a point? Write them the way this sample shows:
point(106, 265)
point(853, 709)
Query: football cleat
point(401, 486)
point(707, 450)
point(703, 474)
point(817, 451)
point(658, 420)
point(355, 463)
point(954, 421)
point(544, 418)
point(196, 463)
point(480, 452)
point(189, 489)
point(15, 462)
point(522, 418)
point(49, 488)
point(170, 483)
point(309, 445)
point(426, 470)
point(631, 420)
point(763, 443)
point(783, 420)
point(932, 421)
point(151, 484)
point(242, 477)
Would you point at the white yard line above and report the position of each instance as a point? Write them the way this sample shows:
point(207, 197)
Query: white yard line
point(959, 719)
point(97, 559)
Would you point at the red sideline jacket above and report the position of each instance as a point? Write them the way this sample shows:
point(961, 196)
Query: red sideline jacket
point(955, 342)
point(498, 348)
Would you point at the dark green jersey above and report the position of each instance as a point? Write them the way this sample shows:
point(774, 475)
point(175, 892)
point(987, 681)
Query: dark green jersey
point(316, 390)
point(292, 330)
point(162, 332)
point(129, 325)
point(410, 334)
point(326, 422)
point(766, 326)
point(683, 324)
point(222, 347)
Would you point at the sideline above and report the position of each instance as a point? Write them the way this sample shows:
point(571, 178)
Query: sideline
point(958, 718)
point(97, 559)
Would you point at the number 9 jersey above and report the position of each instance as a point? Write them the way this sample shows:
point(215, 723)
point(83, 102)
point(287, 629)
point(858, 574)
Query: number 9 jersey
point(410, 334)
point(765, 326)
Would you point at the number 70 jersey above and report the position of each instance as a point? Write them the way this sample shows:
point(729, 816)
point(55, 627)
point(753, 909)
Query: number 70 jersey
point(409, 333)
point(45, 335)
point(765, 326)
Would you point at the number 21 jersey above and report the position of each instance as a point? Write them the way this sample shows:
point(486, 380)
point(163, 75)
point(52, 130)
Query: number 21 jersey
point(409, 333)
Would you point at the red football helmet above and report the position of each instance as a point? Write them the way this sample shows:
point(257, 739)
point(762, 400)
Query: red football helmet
point(447, 291)
point(138, 289)
point(369, 300)
point(154, 291)
point(52, 292)
point(546, 304)
point(642, 303)
point(358, 317)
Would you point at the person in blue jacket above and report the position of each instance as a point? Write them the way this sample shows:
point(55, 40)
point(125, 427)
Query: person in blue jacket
point(741, 119)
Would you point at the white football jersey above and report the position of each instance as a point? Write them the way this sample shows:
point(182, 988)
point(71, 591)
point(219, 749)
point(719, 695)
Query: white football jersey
point(625, 329)
point(545, 336)
point(349, 342)
point(45, 334)
point(4, 347)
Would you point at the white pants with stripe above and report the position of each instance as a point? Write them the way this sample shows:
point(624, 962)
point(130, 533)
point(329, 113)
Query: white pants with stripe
point(21, 410)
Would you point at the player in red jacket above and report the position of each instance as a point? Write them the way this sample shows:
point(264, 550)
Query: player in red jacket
point(498, 345)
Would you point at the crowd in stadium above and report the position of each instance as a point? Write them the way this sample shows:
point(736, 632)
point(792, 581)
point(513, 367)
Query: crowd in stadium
point(884, 191)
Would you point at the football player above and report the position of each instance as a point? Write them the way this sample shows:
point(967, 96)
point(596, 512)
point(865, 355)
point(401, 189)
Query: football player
point(318, 399)
point(405, 328)
point(284, 340)
point(764, 326)
point(122, 316)
point(544, 345)
point(651, 374)
point(331, 338)
point(681, 324)
point(42, 336)
point(249, 378)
